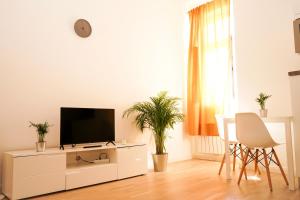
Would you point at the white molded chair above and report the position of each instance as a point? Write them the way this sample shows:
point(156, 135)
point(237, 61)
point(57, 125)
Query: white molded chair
point(252, 132)
point(237, 147)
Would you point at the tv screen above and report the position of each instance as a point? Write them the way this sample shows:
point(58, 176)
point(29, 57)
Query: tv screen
point(86, 125)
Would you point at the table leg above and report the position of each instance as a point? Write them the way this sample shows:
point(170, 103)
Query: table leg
point(227, 150)
point(289, 152)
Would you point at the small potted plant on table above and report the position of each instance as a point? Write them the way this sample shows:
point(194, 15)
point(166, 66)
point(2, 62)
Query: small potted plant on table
point(42, 130)
point(158, 114)
point(261, 100)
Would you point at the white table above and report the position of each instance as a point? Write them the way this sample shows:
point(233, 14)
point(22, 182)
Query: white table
point(289, 145)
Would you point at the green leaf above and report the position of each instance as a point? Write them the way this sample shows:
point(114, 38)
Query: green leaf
point(261, 100)
point(41, 128)
point(158, 114)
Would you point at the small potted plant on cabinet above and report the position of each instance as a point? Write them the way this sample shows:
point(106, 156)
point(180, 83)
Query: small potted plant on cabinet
point(261, 100)
point(42, 130)
point(158, 114)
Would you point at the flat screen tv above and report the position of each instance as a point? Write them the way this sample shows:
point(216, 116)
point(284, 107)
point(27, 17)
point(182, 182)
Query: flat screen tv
point(86, 125)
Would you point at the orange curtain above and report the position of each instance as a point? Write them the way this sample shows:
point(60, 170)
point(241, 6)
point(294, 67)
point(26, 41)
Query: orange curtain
point(209, 78)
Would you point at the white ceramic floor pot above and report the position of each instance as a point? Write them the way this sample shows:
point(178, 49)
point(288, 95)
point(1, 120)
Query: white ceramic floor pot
point(160, 162)
point(263, 113)
point(40, 146)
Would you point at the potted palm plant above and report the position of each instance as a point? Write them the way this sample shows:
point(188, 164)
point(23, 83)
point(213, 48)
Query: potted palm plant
point(42, 130)
point(158, 115)
point(261, 100)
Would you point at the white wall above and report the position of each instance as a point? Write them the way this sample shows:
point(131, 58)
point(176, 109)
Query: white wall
point(135, 51)
point(264, 53)
point(296, 8)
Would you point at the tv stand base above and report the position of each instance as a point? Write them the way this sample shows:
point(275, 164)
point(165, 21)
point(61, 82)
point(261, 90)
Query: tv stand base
point(110, 142)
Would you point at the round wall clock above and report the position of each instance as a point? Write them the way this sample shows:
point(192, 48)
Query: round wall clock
point(82, 28)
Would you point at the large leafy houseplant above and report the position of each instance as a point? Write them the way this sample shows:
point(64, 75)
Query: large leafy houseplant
point(158, 114)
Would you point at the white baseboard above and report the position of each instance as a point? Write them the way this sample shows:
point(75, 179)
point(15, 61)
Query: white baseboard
point(208, 156)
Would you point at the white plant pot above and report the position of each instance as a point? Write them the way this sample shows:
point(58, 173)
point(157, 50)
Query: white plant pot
point(40, 146)
point(263, 113)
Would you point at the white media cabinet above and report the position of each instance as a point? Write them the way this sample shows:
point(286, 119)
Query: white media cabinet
point(29, 173)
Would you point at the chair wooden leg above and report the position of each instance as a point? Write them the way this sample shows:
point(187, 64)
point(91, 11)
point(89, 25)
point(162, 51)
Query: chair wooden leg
point(251, 154)
point(243, 167)
point(255, 161)
point(268, 170)
point(256, 168)
point(280, 167)
point(242, 156)
point(234, 156)
point(256, 157)
point(222, 163)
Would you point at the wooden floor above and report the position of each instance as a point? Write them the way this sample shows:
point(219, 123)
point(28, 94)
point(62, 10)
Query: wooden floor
point(194, 179)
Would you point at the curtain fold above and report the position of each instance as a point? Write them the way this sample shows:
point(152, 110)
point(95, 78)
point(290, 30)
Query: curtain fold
point(209, 81)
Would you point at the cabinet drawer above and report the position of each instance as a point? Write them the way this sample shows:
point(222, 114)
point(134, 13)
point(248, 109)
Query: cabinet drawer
point(91, 175)
point(41, 164)
point(132, 161)
point(39, 184)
